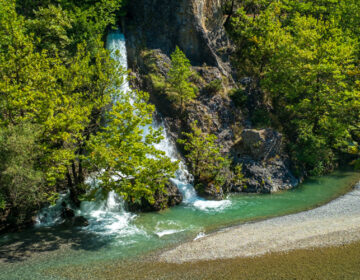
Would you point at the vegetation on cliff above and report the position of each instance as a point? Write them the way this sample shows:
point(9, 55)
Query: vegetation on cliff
point(209, 166)
point(180, 88)
point(304, 57)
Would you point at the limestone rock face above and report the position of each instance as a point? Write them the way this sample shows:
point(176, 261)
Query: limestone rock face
point(153, 29)
point(193, 25)
point(264, 164)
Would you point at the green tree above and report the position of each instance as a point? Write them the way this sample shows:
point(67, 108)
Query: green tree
point(206, 162)
point(180, 89)
point(254, 39)
point(51, 25)
point(308, 78)
point(23, 187)
point(124, 157)
point(302, 56)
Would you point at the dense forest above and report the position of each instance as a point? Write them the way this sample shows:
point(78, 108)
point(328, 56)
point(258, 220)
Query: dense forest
point(304, 56)
point(63, 118)
point(58, 121)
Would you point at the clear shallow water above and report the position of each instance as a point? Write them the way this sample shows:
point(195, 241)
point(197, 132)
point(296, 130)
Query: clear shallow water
point(32, 254)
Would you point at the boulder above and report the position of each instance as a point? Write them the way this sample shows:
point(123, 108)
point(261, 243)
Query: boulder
point(80, 221)
point(170, 198)
point(67, 213)
point(258, 144)
point(271, 177)
point(209, 191)
point(76, 221)
point(265, 166)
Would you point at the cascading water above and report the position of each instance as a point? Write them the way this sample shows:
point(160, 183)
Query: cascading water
point(52, 215)
point(109, 216)
point(117, 45)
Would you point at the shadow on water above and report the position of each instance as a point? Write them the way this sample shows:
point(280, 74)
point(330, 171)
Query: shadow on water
point(23, 245)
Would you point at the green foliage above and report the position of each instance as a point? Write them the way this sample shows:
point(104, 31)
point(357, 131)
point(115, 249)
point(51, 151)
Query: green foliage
point(214, 87)
point(304, 56)
point(239, 97)
point(51, 25)
point(124, 156)
point(180, 88)
point(22, 183)
point(158, 82)
point(206, 162)
point(239, 178)
point(57, 81)
point(261, 118)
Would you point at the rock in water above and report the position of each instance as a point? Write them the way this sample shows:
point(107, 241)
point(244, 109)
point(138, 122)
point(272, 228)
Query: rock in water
point(80, 221)
point(67, 213)
point(210, 191)
point(171, 197)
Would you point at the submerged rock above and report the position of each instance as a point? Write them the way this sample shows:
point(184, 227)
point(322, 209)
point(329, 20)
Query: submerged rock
point(76, 221)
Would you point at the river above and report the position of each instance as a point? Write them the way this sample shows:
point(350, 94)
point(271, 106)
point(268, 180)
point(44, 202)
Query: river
point(114, 234)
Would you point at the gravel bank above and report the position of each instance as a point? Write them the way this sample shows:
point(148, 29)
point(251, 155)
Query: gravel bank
point(335, 223)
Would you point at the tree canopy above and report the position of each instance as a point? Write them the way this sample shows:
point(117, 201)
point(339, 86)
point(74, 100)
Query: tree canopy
point(58, 121)
point(304, 57)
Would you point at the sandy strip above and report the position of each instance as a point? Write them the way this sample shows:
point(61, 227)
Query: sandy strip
point(335, 223)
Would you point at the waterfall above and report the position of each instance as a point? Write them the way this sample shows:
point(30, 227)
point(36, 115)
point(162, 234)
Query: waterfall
point(52, 215)
point(116, 43)
point(109, 216)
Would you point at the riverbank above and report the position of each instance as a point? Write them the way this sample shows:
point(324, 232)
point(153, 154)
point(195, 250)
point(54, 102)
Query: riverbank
point(333, 263)
point(336, 223)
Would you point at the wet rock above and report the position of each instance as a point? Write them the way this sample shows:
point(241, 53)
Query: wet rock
point(67, 213)
point(209, 191)
point(76, 221)
point(170, 198)
point(80, 221)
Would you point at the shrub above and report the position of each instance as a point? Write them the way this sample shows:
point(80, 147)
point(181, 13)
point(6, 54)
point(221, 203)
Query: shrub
point(214, 87)
point(239, 97)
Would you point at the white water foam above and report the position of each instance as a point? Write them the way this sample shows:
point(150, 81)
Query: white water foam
point(183, 178)
point(51, 215)
point(199, 236)
point(108, 217)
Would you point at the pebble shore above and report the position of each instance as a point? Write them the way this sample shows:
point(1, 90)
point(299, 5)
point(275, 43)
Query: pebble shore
point(335, 223)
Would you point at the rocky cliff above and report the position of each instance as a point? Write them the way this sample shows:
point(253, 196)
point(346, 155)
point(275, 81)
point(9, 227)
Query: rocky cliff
point(196, 26)
point(153, 29)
